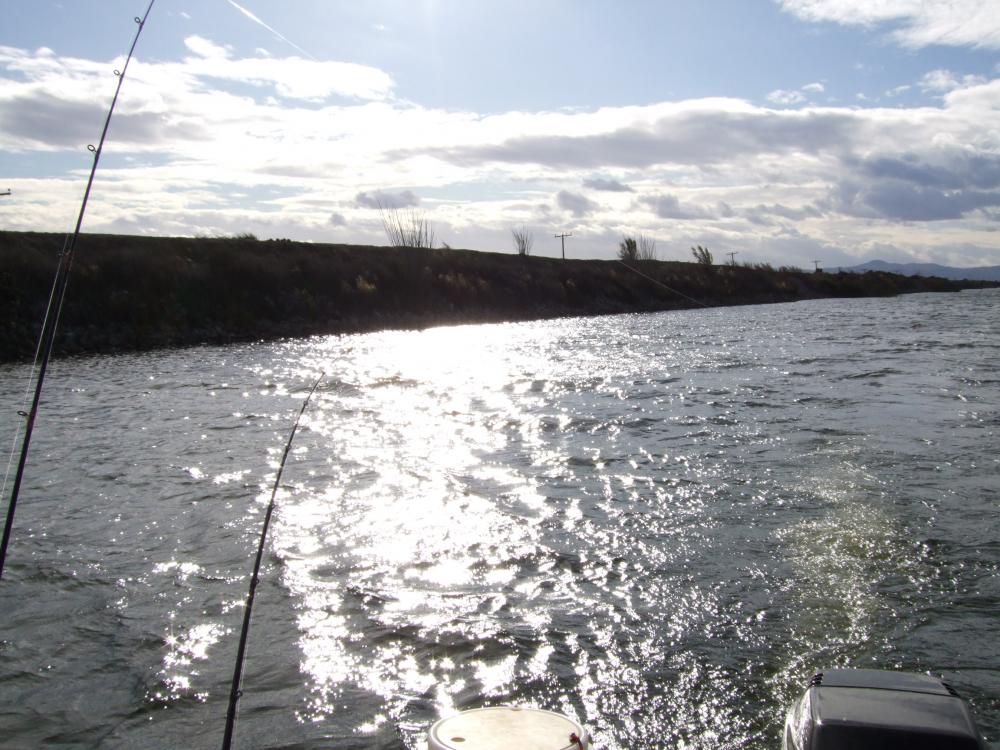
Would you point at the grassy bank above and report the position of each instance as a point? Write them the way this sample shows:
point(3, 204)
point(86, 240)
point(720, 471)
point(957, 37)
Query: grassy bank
point(132, 293)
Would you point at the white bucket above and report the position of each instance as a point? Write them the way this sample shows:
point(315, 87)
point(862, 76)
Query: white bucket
point(507, 728)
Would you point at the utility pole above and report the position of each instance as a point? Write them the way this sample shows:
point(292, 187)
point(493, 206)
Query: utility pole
point(816, 263)
point(563, 238)
point(732, 257)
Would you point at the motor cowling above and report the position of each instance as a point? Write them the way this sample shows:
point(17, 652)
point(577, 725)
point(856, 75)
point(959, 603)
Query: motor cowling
point(869, 709)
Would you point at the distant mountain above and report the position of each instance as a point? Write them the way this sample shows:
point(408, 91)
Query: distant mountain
point(981, 273)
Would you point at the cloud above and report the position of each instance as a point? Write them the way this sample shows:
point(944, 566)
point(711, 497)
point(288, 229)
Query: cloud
point(763, 214)
point(959, 23)
point(379, 199)
point(904, 201)
point(913, 188)
point(780, 96)
point(213, 147)
point(46, 122)
point(577, 204)
point(702, 133)
point(951, 170)
point(291, 77)
point(944, 80)
point(205, 47)
point(611, 186)
point(787, 98)
point(667, 206)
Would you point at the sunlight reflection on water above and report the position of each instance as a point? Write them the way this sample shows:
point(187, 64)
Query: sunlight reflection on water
point(481, 500)
point(659, 525)
point(498, 513)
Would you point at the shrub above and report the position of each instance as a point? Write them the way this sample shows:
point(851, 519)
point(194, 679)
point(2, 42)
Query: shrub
point(408, 229)
point(702, 255)
point(647, 248)
point(628, 249)
point(523, 240)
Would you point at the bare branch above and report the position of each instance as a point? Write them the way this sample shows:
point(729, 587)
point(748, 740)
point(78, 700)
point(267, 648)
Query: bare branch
point(647, 248)
point(408, 229)
point(523, 240)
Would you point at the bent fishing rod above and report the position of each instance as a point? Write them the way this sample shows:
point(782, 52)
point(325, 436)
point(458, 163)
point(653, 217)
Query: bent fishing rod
point(54, 310)
point(235, 691)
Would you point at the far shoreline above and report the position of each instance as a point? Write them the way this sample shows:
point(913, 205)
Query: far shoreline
point(132, 293)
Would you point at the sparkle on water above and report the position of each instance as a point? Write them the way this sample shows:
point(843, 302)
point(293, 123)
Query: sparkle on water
point(658, 525)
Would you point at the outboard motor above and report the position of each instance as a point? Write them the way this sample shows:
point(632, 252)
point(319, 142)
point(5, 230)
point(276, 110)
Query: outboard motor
point(868, 709)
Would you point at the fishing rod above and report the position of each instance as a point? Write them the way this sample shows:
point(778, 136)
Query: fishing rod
point(31, 377)
point(235, 691)
point(48, 334)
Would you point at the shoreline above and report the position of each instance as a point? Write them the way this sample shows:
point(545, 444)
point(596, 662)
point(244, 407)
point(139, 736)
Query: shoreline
point(132, 293)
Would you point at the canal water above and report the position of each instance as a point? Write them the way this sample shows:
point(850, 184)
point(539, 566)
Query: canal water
point(661, 525)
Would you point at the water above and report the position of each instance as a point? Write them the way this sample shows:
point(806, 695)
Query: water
point(661, 525)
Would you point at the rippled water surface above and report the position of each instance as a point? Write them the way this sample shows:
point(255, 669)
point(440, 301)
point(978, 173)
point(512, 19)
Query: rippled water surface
point(661, 525)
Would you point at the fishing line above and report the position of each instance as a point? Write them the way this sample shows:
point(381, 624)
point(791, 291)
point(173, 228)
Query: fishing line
point(235, 692)
point(22, 412)
point(273, 30)
point(660, 283)
point(58, 297)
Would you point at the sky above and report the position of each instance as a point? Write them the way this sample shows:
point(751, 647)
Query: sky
point(786, 131)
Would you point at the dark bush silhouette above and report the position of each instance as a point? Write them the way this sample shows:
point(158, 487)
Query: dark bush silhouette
point(702, 255)
point(524, 240)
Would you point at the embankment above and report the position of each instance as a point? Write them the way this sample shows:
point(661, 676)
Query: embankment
point(133, 293)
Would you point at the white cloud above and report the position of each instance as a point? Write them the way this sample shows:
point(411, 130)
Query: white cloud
point(711, 170)
point(788, 98)
point(205, 47)
point(291, 77)
point(944, 80)
point(781, 96)
point(920, 23)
